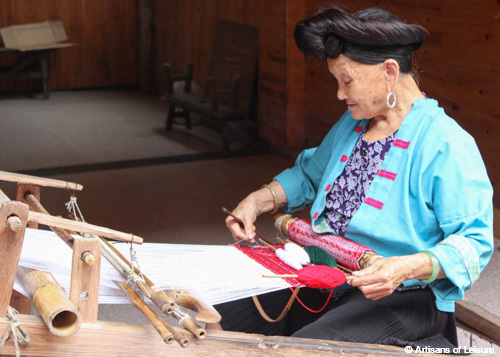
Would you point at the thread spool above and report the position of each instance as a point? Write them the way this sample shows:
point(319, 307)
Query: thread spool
point(282, 223)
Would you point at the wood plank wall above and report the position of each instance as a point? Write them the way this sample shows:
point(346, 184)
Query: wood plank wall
point(104, 34)
point(459, 66)
point(185, 30)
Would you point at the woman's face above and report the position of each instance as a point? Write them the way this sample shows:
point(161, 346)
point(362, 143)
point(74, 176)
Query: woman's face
point(363, 86)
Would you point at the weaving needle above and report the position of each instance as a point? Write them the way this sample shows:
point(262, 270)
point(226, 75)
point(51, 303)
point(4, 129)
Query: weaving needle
point(228, 212)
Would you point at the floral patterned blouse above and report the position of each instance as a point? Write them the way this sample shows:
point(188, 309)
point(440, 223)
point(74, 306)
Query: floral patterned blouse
point(351, 186)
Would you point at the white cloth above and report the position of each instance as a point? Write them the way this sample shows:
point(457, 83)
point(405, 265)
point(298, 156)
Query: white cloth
point(216, 273)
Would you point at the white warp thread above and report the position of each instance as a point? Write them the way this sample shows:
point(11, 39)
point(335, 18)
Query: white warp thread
point(216, 273)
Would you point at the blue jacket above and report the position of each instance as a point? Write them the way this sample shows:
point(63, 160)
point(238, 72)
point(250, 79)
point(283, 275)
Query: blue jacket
point(431, 192)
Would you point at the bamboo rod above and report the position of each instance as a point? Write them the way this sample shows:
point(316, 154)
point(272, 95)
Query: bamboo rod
point(178, 336)
point(37, 206)
point(280, 276)
point(51, 301)
point(268, 244)
point(188, 323)
point(165, 306)
point(39, 181)
point(152, 317)
point(82, 227)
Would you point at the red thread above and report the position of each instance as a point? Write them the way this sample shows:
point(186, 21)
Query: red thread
point(320, 277)
point(309, 309)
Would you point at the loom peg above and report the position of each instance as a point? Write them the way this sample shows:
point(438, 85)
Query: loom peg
point(14, 223)
point(88, 258)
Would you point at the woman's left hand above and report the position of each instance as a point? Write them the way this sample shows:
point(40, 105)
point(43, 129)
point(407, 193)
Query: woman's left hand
point(383, 276)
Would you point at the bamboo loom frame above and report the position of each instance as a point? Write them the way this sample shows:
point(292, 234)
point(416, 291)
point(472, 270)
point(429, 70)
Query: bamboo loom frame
point(101, 338)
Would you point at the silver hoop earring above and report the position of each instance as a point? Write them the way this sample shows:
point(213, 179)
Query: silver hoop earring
point(389, 105)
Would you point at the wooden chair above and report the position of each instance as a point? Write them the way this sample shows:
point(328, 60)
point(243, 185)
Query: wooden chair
point(227, 101)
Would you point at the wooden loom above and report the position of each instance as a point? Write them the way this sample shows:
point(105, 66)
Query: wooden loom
point(100, 338)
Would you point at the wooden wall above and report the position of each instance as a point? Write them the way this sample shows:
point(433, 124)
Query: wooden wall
point(104, 34)
point(185, 30)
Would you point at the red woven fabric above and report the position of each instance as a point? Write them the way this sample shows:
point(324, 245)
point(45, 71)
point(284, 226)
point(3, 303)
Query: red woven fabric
point(346, 252)
point(267, 258)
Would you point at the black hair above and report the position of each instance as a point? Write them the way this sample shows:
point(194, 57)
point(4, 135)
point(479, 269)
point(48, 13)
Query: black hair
point(368, 36)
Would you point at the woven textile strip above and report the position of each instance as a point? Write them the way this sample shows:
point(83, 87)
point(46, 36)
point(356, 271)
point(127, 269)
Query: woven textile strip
point(268, 259)
point(346, 252)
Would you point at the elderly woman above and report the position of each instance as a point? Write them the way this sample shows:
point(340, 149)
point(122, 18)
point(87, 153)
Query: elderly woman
point(395, 173)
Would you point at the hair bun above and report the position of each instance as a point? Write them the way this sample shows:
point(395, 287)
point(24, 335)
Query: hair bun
point(368, 36)
point(332, 46)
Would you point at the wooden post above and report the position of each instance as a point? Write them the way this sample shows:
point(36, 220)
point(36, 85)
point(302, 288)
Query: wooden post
point(84, 288)
point(21, 303)
point(11, 243)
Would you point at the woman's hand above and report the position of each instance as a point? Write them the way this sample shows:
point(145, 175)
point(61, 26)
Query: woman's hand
point(266, 199)
point(385, 275)
point(247, 212)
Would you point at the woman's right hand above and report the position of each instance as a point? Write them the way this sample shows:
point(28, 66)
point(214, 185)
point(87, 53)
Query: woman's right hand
point(247, 212)
point(267, 199)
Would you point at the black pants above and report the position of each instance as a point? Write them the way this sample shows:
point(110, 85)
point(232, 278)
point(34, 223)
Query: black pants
point(405, 318)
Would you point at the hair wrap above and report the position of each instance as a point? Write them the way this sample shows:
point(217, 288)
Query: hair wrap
point(369, 36)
